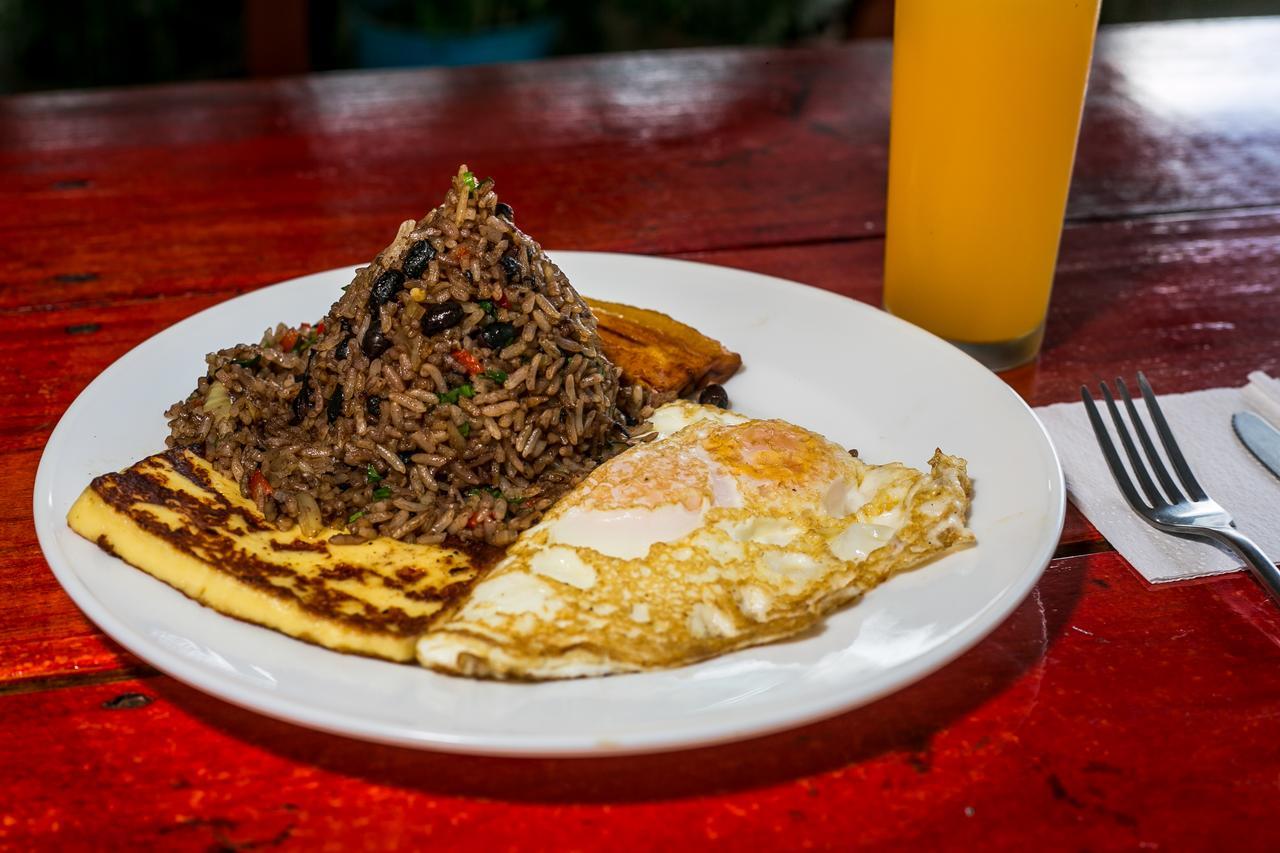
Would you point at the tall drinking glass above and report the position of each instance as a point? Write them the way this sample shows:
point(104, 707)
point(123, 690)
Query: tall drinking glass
point(987, 97)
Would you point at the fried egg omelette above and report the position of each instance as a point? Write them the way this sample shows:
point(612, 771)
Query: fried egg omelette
point(721, 533)
point(176, 518)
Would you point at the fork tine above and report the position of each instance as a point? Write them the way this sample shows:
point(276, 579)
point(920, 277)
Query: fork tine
point(1109, 452)
point(1135, 459)
point(1144, 438)
point(1170, 443)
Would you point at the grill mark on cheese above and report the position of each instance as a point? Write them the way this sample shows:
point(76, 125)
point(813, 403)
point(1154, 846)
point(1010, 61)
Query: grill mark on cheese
point(307, 592)
point(299, 545)
point(105, 544)
point(142, 485)
point(178, 458)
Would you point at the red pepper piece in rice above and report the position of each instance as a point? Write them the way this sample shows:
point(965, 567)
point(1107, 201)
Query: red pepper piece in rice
point(469, 362)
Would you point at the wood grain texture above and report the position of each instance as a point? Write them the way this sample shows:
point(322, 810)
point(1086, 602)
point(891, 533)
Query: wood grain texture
point(194, 187)
point(1191, 299)
point(1042, 733)
point(643, 153)
point(1181, 116)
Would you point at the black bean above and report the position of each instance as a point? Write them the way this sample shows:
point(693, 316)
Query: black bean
point(373, 407)
point(302, 400)
point(334, 410)
point(714, 395)
point(504, 210)
point(510, 266)
point(446, 315)
point(406, 456)
point(416, 259)
point(341, 351)
point(374, 342)
point(385, 287)
point(496, 335)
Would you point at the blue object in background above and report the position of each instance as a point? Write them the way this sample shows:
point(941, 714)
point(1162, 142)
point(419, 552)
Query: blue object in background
point(379, 45)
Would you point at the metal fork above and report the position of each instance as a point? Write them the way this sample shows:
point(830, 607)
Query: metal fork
point(1178, 507)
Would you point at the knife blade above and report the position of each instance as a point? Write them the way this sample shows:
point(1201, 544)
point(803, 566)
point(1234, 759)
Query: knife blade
point(1260, 437)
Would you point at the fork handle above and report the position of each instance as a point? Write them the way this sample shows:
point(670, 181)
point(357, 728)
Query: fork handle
point(1259, 563)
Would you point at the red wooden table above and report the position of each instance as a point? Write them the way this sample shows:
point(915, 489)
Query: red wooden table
point(1105, 713)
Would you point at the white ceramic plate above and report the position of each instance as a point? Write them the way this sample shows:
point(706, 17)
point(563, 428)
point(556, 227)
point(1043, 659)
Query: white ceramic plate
point(859, 376)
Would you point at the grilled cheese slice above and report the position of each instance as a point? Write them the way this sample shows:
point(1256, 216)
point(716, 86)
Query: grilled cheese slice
point(179, 520)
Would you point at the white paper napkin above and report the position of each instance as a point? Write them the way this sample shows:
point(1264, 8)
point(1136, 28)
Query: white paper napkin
point(1201, 421)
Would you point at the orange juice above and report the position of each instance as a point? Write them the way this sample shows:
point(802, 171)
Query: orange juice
point(986, 110)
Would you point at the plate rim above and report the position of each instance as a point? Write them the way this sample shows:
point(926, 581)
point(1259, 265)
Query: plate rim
point(986, 620)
